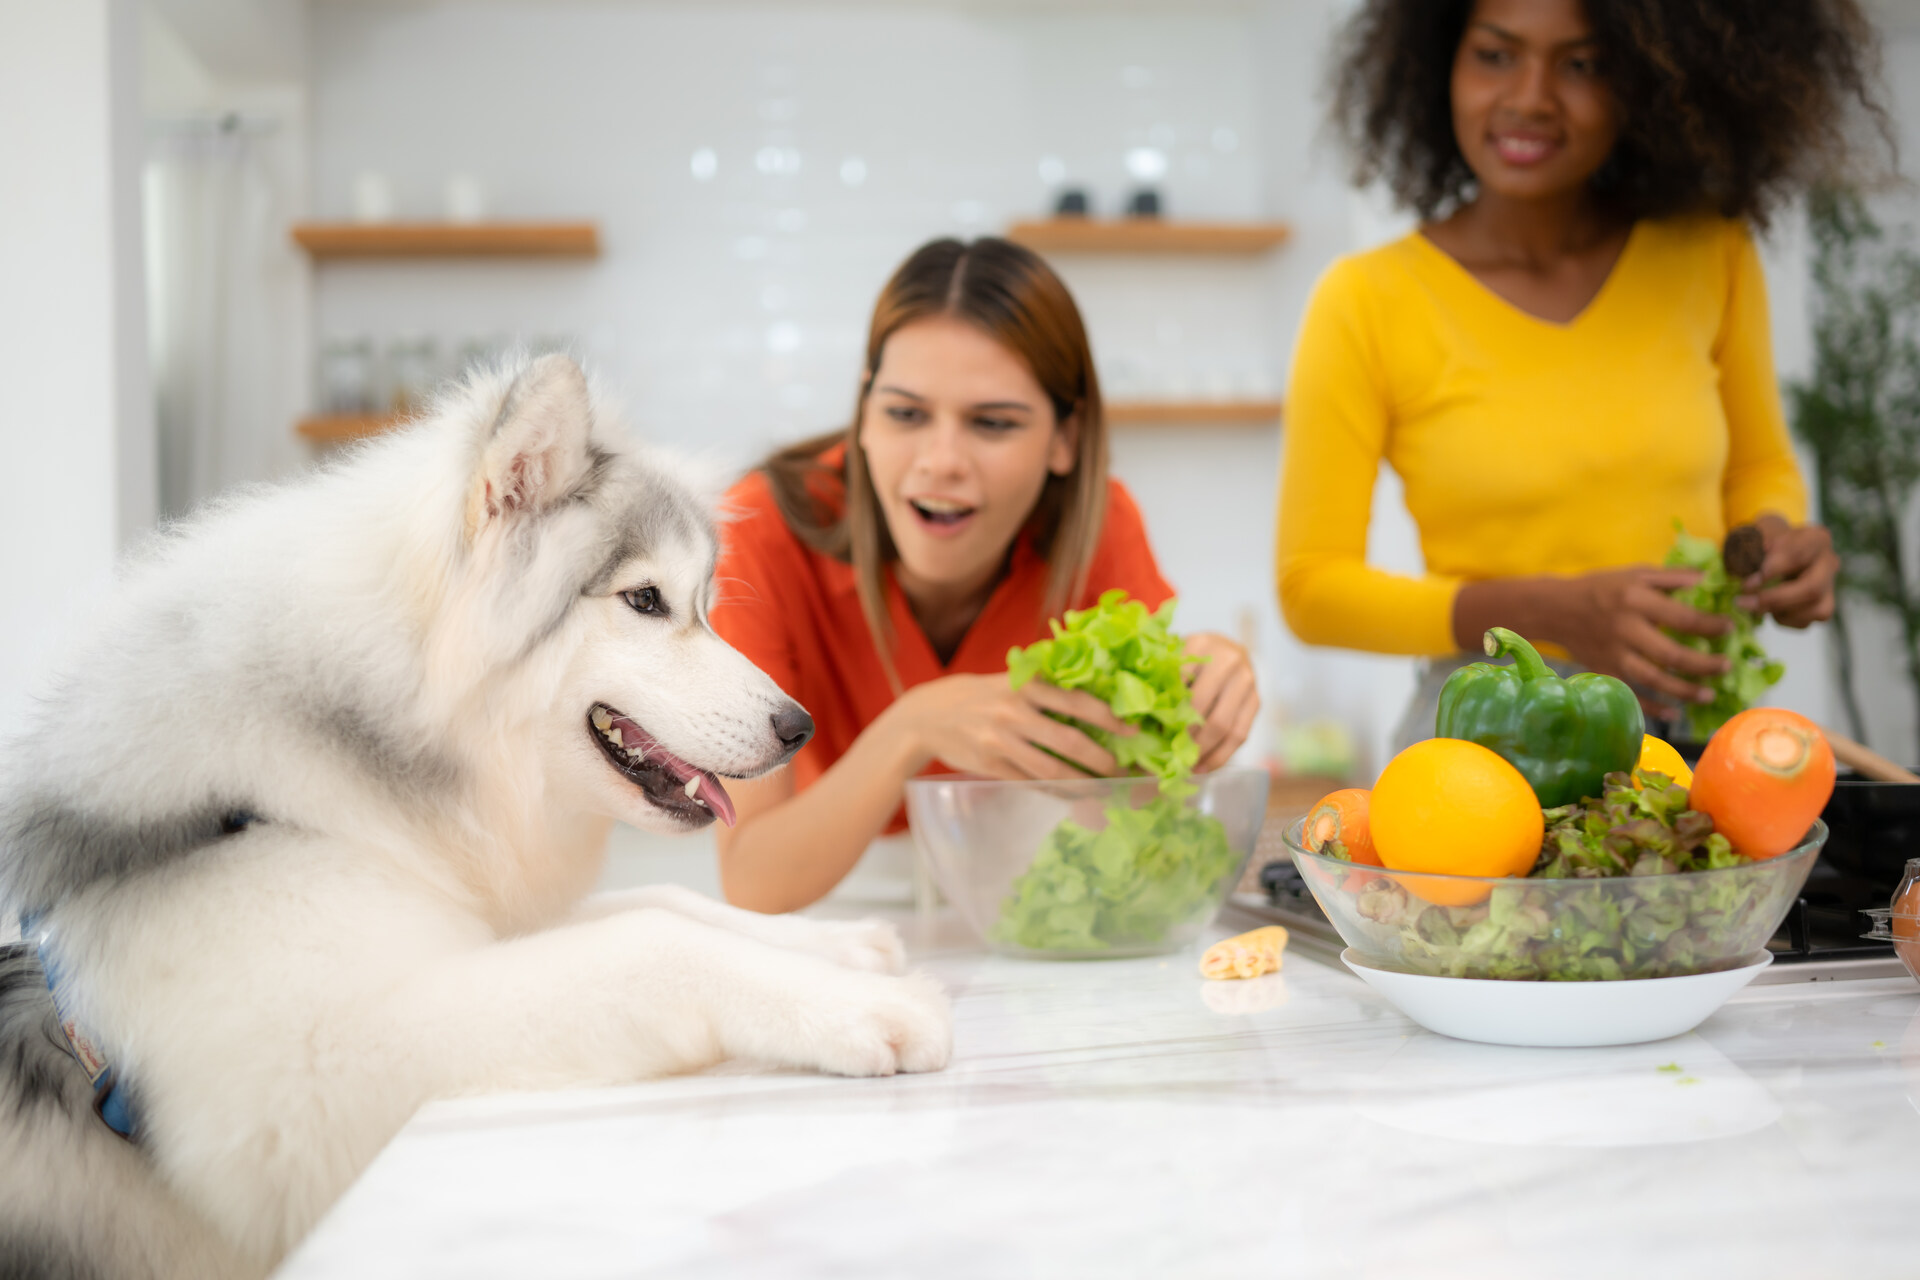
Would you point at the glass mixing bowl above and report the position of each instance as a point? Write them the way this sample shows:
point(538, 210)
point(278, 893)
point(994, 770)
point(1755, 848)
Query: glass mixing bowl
point(1557, 930)
point(1087, 868)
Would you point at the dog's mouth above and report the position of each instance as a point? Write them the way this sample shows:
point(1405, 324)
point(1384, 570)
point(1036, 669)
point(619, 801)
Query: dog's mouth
point(681, 788)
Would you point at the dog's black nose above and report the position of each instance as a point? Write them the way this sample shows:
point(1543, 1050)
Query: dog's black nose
point(793, 726)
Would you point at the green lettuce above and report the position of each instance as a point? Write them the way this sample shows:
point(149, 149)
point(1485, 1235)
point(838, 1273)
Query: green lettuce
point(1150, 869)
point(1128, 657)
point(1155, 866)
point(1752, 672)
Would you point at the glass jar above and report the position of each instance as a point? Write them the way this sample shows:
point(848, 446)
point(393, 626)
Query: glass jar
point(1899, 922)
point(347, 376)
point(413, 364)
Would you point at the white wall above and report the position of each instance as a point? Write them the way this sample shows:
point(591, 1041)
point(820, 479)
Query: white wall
point(730, 308)
point(1887, 696)
point(73, 394)
point(229, 297)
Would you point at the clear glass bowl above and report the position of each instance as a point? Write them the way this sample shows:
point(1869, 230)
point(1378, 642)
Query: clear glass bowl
point(1557, 930)
point(1089, 868)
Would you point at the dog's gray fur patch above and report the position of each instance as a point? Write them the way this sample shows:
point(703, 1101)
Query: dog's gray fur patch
point(653, 513)
point(35, 1257)
point(115, 1220)
point(36, 1070)
point(41, 1086)
point(53, 849)
point(415, 773)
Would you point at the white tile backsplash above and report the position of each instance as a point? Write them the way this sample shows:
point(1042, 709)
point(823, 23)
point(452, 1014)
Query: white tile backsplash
point(759, 169)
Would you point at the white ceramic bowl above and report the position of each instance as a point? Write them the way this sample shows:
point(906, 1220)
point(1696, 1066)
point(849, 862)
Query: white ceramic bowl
point(1557, 1014)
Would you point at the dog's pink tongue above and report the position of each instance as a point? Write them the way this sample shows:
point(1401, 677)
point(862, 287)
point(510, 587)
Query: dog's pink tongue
point(709, 789)
point(716, 797)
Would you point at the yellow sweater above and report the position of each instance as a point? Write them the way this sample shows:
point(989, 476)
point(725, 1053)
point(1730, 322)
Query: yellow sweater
point(1525, 447)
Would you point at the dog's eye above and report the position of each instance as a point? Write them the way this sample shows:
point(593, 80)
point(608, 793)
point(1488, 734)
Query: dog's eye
point(646, 600)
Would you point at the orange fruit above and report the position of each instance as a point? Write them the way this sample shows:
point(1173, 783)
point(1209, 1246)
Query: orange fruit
point(1660, 757)
point(1458, 809)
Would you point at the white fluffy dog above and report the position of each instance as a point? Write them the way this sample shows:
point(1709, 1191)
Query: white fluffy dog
point(301, 840)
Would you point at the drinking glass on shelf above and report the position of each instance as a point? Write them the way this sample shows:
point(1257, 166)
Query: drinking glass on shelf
point(413, 364)
point(466, 199)
point(347, 376)
point(372, 197)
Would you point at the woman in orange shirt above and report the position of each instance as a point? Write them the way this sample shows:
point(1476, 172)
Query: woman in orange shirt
point(880, 573)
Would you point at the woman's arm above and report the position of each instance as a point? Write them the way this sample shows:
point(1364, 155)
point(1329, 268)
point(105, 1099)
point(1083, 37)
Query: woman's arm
point(788, 850)
point(1336, 433)
point(1763, 483)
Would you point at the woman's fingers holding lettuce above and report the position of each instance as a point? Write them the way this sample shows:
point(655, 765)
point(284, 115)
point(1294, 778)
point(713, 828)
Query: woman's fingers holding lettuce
point(1074, 703)
point(1225, 693)
point(1059, 743)
point(1801, 564)
point(1612, 621)
point(1649, 598)
point(977, 724)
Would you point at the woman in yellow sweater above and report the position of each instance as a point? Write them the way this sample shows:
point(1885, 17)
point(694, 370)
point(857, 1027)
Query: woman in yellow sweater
point(1572, 351)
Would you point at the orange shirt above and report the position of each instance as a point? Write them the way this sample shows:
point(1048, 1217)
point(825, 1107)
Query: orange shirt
point(796, 614)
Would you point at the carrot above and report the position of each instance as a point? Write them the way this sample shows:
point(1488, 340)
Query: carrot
point(1763, 779)
point(1342, 816)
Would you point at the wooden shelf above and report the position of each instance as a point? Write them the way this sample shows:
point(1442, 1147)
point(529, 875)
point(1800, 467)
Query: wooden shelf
point(337, 428)
point(448, 239)
point(1193, 412)
point(1148, 235)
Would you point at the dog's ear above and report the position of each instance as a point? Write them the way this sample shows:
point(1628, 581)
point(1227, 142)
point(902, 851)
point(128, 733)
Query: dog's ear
point(537, 451)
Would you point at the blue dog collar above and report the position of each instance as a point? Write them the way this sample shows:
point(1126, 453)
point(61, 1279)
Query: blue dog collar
point(110, 1100)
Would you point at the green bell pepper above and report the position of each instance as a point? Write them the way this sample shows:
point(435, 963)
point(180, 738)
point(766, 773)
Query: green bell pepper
point(1564, 736)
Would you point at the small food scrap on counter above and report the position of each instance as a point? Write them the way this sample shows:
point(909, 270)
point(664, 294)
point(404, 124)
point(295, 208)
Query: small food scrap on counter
point(1246, 956)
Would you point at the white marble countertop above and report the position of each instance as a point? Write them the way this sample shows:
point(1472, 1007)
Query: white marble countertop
point(1124, 1118)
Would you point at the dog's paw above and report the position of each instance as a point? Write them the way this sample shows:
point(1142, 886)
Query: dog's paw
point(871, 945)
point(882, 1025)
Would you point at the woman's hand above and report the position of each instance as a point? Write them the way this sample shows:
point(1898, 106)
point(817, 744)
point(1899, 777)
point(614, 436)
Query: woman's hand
point(977, 724)
point(1224, 691)
point(1611, 622)
point(1801, 564)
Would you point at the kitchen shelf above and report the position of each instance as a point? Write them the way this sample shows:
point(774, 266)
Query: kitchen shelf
point(1193, 412)
point(1148, 235)
point(337, 428)
point(448, 239)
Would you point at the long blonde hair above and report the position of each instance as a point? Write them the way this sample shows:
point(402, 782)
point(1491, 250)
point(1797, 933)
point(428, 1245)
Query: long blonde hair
point(1015, 298)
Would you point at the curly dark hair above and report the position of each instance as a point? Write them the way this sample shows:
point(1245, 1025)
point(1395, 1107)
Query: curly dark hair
point(1732, 105)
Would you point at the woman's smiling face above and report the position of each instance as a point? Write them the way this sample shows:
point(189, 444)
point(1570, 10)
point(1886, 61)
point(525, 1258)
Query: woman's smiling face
point(1531, 113)
point(960, 438)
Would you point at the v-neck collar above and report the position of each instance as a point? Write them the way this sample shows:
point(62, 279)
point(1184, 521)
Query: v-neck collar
point(1019, 589)
point(1607, 287)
